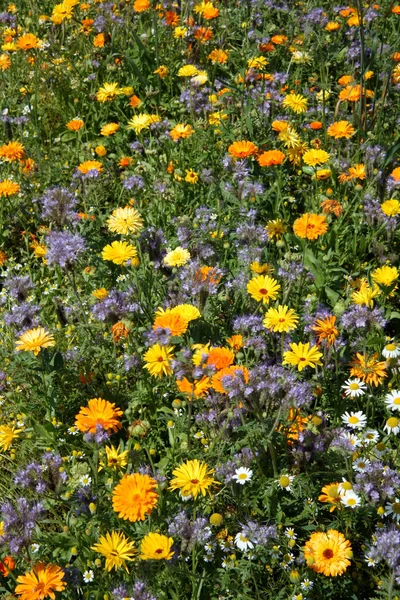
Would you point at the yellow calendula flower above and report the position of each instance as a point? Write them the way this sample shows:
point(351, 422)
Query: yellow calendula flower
point(177, 258)
point(328, 553)
point(263, 288)
point(7, 436)
point(302, 355)
point(391, 208)
point(115, 459)
point(385, 276)
point(34, 340)
point(158, 360)
point(108, 92)
point(192, 478)
point(155, 546)
point(116, 548)
point(281, 319)
point(119, 252)
point(125, 220)
point(188, 71)
point(295, 102)
point(100, 294)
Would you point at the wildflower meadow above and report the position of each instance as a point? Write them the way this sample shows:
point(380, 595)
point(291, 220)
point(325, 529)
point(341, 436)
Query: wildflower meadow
point(199, 300)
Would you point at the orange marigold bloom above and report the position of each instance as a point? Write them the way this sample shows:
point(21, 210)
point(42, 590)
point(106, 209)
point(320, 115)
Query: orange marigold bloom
point(210, 12)
point(7, 565)
point(99, 40)
point(119, 331)
point(218, 56)
point(232, 371)
point(41, 582)
point(341, 129)
point(279, 126)
point(296, 424)
point(396, 56)
point(332, 207)
point(328, 553)
point(3, 258)
point(357, 172)
point(278, 39)
point(172, 321)
point(98, 412)
point(371, 371)
point(181, 131)
point(12, 151)
point(395, 173)
point(220, 358)
point(345, 80)
point(310, 226)
point(88, 165)
point(242, 149)
point(171, 18)
point(316, 125)
point(9, 188)
point(198, 388)
point(270, 158)
point(134, 101)
point(141, 5)
point(203, 34)
point(75, 124)
point(330, 494)
point(207, 274)
point(352, 93)
point(326, 330)
point(29, 41)
point(235, 342)
point(134, 497)
point(125, 161)
point(396, 10)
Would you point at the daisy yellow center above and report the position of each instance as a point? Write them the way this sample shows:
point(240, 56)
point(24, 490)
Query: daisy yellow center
point(346, 485)
point(354, 386)
point(242, 476)
point(351, 501)
point(390, 347)
point(284, 481)
point(328, 553)
point(396, 508)
point(396, 400)
point(392, 422)
point(353, 420)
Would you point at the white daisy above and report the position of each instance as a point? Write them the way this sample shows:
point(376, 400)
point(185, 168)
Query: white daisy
point(392, 425)
point(350, 499)
point(289, 532)
point(371, 562)
point(242, 475)
point(243, 542)
point(285, 481)
point(88, 576)
point(371, 436)
point(391, 350)
point(352, 439)
point(306, 584)
point(35, 547)
point(393, 509)
point(85, 480)
point(355, 420)
point(392, 400)
point(360, 464)
point(344, 487)
point(354, 388)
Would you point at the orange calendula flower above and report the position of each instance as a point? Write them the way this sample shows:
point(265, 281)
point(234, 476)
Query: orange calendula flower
point(326, 330)
point(29, 41)
point(119, 331)
point(310, 226)
point(242, 149)
point(218, 56)
point(134, 497)
point(395, 173)
point(235, 342)
point(197, 389)
point(332, 207)
point(9, 188)
point(368, 368)
point(34, 340)
point(263, 288)
point(75, 124)
point(90, 165)
point(220, 358)
point(109, 129)
point(270, 158)
point(330, 494)
point(232, 372)
point(12, 151)
point(316, 125)
point(181, 131)
point(41, 582)
point(172, 321)
point(328, 553)
point(341, 129)
point(141, 5)
point(6, 565)
point(98, 412)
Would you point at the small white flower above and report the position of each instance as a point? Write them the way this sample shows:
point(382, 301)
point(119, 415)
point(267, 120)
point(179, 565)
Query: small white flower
point(393, 509)
point(360, 464)
point(391, 350)
point(392, 400)
point(354, 388)
point(355, 420)
point(285, 481)
point(88, 576)
point(85, 480)
point(350, 499)
point(371, 436)
point(306, 584)
point(289, 532)
point(371, 562)
point(35, 547)
point(242, 542)
point(242, 475)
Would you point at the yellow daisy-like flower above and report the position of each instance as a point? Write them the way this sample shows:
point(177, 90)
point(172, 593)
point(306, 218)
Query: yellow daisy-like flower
point(134, 497)
point(341, 129)
point(365, 295)
point(29, 41)
point(295, 102)
point(125, 220)
point(155, 546)
point(13, 151)
point(119, 252)
point(275, 228)
point(140, 122)
point(328, 553)
point(115, 459)
point(302, 355)
point(109, 129)
point(177, 258)
point(191, 176)
point(34, 340)
point(100, 293)
point(116, 548)
point(385, 276)
point(187, 311)
point(108, 92)
point(8, 435)
point(188, 71)
point(41, 582)
point(391, 208)
point(281, 319)
point(158, 360)
point(263, 288)
point(181, 131)
point(90, 165)
point(313, 158)
point(192, 478)
point(9, 188)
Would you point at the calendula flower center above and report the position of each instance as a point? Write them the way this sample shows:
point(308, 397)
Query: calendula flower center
point(328, 553)
point(194, 481)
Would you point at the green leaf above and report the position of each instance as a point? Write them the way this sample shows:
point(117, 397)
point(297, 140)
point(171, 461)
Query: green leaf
point(332, 295)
